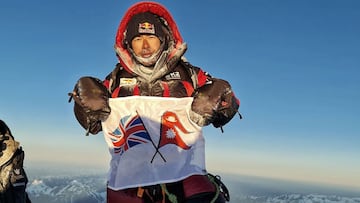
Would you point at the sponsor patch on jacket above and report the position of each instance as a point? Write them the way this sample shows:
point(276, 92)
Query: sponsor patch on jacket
point(127, 81)
point(173, 76)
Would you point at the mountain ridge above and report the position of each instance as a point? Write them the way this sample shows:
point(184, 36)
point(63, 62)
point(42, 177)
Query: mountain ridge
point(92, 189)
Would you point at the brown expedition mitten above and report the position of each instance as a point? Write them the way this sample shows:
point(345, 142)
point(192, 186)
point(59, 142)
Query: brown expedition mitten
point(214, 103)
point(91, 103)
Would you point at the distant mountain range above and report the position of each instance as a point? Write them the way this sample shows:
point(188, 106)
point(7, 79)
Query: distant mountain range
point(68, 189)
point(297, 198)
point(92, 189)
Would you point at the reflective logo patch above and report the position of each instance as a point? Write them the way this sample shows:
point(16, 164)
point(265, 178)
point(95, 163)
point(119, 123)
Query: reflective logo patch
point(127, 81)
point(173, 76)
point(146, 28)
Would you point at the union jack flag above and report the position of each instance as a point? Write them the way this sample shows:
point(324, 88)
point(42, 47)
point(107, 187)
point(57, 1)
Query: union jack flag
point(129, 133)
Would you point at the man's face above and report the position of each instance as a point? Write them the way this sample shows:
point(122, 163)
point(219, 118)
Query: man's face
point(145, 45)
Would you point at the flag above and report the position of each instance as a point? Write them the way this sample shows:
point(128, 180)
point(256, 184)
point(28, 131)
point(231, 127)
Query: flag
point(129, 133)
point(152, 140)
point(171, 128)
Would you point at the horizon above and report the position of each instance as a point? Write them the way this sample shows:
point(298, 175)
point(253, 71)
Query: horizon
point(40, 170)
point(240, 187)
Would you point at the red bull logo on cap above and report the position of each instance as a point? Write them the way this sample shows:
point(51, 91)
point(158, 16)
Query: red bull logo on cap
point(146, 28)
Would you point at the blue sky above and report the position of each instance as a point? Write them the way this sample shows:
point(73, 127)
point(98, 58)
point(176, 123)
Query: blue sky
point(293, 64)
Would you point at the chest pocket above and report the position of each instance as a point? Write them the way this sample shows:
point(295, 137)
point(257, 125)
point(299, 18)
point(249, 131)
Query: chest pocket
point(126, 87)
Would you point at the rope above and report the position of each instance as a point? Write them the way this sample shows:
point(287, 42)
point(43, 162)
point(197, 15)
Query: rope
point(172, 198)
point(212, 179)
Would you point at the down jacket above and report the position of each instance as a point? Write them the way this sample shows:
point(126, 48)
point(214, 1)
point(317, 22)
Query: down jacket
point(172, 75)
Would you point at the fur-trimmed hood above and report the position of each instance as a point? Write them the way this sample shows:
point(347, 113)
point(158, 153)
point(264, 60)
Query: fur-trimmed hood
point(175, 46)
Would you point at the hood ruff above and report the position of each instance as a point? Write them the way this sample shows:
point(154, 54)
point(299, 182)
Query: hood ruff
point(167, 59)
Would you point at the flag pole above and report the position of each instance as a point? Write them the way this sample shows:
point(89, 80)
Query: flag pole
point(156, 148)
